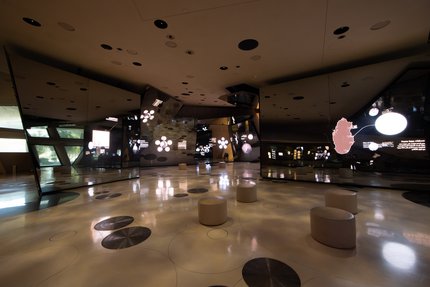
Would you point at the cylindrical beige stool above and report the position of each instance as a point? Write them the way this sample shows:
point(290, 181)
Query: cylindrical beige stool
point(246, 192)
point(212, 210)
point(333, 227)
point(343, 199)
point(182, 166)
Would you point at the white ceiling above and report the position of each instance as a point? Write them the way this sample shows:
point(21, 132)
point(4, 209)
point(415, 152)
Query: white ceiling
point(295, 37)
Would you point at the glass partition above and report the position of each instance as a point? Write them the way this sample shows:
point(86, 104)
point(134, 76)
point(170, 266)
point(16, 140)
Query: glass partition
point(365, 126)
point(60, 110)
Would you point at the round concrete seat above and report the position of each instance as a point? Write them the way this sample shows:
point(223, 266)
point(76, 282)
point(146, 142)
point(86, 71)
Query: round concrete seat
point(343, 199)
point(182, 166)
point(333, 227)
point(246, 192)
point(212, 210)
point(222, 164)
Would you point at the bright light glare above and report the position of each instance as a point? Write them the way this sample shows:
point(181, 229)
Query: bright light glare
point(391, 123)
point(13, 145)
point(399, 255)
point(373, 146)
point(373, 112)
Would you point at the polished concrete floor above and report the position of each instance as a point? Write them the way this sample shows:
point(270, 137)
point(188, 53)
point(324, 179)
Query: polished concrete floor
point(60, 246)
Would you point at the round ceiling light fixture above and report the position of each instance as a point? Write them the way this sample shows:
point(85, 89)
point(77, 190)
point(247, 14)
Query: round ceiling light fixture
point(341, 30)
point(161, 24)
point(222, 143)
point(31, 22)
point(163, 144)
point(246, 148)
point(380, 25)
point(373, 111)
point(248, 44)
point(391, 123)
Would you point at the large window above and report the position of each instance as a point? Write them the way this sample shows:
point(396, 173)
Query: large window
point(73, 152)
point(13, 145)
point(10, 118)
point(70, 133)
point(38, 132)
point(46, 155)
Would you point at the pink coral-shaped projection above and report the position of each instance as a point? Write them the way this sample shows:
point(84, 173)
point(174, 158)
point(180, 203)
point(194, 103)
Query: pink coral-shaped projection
point(342, 137)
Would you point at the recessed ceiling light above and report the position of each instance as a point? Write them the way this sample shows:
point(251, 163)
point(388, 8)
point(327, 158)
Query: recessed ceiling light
point(40, 97)
point(189, 52)
point(66, 26)
point(341, 30)
point(51, 83)
point(161, 24)
point(31, 22)
point(98, 107)
point(248, 44)
point(106, 46)
point(171, 44)
point(297, 98)
point(184, 83)
point(185, 94)
point(119, 49)
point(223, 68)
point(131, 52)
point(71, 109)
point(345, 84)
point(380, 25)
point(83, 89)
point(137, 64)
point(332, 103)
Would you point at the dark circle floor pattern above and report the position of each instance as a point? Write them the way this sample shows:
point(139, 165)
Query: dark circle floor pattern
point(197, 190)
point(105, 196)
point(418, 197)
point(268, 272)
point(180, 195)
point(126, 237)
point(114, 223)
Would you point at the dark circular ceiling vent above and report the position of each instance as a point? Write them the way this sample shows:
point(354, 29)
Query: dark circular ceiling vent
point(248, 44)
point(297, 98)
point(223, 68)
point(341, 30)
point(106, 46)
point(161, 24)
point(31, 22)
point(137, 64)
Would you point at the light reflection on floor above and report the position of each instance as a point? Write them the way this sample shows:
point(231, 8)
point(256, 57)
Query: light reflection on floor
point(393, 236)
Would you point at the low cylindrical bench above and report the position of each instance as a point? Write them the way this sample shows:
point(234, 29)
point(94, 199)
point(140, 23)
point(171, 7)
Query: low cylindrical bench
point(333, 227)
point(246, 192)
point(182, 166)
point(343, 199)
point(212, 210)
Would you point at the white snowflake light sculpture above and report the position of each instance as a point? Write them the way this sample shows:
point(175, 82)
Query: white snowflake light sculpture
point(147, 115)
point(222, 143)
point(163, 144)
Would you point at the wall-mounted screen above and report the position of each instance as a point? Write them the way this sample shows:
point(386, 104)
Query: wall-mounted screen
point(101, 138)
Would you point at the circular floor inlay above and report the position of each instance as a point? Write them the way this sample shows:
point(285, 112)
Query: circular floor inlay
point(62, 235)
point(114, 195)
point(126, 237)
point(198, 190)
point(103, 196)
point(418, 196)
point(269, 272)
point(217, 234)
point(180, 195)
point(114, 223)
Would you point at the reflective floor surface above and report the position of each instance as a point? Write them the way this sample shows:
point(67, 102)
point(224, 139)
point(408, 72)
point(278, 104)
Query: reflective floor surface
point(150, 237)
